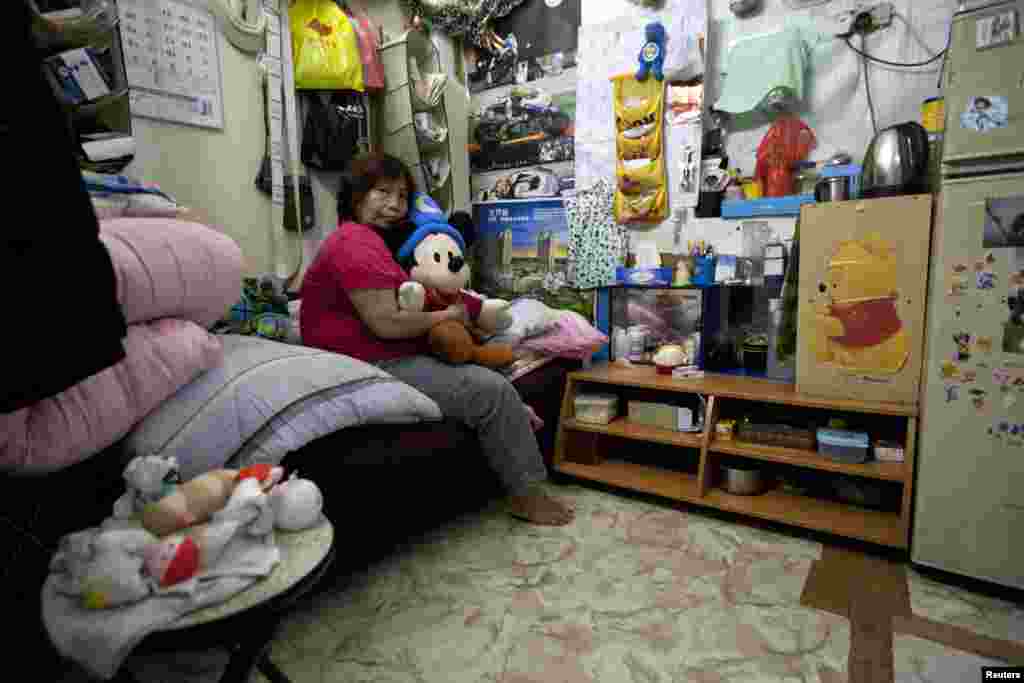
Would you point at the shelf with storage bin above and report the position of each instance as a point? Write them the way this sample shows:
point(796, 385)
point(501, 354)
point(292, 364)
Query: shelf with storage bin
point(593, 452)
point(409, 60)
point(888, 471)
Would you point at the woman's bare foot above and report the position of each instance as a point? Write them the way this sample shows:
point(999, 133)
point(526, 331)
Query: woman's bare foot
point(537, 507)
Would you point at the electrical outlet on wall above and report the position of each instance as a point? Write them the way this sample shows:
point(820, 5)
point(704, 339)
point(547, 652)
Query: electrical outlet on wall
point(844, 17)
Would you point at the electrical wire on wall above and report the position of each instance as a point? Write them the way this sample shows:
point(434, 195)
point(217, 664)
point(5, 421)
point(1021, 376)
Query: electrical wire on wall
point(867, 85)
point(863, 25)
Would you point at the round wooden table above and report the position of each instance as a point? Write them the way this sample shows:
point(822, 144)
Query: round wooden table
point(245, 624)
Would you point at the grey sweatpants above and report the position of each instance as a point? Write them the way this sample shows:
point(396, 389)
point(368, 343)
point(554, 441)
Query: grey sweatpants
point(488, 403)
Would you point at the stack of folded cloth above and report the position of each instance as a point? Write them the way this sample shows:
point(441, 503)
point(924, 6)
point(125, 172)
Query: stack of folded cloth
point(175, 279)
point(115, 196)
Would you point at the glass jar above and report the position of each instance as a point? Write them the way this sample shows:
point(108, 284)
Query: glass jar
point(806, 177)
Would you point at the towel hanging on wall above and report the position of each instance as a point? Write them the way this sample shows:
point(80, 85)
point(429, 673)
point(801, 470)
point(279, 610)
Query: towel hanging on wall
point(765, 72)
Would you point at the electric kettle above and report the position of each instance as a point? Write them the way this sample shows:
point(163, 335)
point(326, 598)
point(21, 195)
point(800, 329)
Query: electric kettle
point(896, 161)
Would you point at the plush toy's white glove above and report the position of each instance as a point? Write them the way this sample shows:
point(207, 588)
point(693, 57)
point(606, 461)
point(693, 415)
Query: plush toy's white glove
point(495, 316)
point(412, 296)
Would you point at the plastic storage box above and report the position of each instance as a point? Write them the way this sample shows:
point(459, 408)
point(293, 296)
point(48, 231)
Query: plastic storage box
point(843, 446)
point(596, 408)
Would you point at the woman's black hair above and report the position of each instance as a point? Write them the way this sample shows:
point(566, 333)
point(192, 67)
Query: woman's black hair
point(463, 222)
point(361, 176)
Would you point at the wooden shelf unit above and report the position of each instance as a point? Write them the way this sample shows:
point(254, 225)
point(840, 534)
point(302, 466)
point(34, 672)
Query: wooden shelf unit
point(585, 459)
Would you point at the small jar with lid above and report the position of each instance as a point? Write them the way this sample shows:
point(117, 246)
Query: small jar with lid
point(806, 176)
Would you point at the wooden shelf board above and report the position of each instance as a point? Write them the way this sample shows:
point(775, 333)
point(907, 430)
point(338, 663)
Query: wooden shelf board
point(654, 480)
point(747, 388)
point(883, 528)
point(625, 429)
point(889, 471)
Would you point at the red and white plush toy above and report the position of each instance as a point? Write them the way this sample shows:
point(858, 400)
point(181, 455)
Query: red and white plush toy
point(164, 504)
point(434, 257)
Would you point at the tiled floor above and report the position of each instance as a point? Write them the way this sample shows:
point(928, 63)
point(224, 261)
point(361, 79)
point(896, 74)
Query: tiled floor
point(526, 594)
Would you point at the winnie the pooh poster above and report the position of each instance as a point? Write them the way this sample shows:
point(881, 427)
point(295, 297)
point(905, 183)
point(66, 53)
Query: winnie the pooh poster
point(858, 325)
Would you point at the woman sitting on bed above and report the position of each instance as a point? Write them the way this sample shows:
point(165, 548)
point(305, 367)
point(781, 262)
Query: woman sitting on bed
point(350, 306)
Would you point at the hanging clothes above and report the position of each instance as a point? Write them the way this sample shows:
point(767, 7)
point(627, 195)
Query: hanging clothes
point(64, 319)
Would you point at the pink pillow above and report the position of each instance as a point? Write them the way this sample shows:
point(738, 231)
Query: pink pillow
point(169, 268)
point(572, 337)
point(161, 357)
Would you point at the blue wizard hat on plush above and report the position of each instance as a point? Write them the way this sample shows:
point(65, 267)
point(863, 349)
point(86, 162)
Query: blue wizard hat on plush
point(429, 220)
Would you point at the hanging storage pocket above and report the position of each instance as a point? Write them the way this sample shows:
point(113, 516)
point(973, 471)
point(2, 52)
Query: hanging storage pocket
point(641, 193)
point(636, 176)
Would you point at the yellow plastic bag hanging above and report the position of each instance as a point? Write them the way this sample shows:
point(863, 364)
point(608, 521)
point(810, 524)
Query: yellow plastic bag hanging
point(325, 49)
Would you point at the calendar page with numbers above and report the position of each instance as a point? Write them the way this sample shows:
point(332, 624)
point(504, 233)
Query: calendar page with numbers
point(172, 61)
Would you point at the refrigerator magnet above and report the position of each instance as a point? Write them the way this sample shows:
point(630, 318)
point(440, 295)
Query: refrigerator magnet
point(949, 370)
point(984, 345)
point(952, 392)
point(968, 376)
point(979, 399)
point(1004, 224)
point(963, 346)
point(995, 30)
point(985, 280)
point(985, 113)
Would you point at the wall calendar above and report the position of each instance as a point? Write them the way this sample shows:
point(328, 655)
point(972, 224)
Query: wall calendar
point(172, 61)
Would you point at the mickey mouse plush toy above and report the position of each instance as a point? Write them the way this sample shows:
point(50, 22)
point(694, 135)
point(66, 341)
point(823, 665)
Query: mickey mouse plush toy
point(434, 257)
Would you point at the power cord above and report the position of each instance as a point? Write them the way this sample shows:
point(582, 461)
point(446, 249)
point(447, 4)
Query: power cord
point(865, 55)
point(867, 85)
point(863, 25)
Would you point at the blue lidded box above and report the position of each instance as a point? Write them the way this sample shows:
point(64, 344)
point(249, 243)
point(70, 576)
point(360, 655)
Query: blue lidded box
point(843, 446)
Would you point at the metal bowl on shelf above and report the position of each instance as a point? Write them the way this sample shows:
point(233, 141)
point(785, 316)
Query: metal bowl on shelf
point(743, 478)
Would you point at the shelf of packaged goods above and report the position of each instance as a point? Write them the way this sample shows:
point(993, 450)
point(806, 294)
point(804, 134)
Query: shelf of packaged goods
point(725, 386)
point(625, 429)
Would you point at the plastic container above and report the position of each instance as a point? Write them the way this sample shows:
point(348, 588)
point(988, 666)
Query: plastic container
point(703, 274)
point(596, 408)
point(742, 478)
point(843, 446)
point(776, 435)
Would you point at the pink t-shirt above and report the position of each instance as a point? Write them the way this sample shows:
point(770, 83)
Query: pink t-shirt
point(353, 257)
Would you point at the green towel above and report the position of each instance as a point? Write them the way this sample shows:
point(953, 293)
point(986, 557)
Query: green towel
point(763, 70)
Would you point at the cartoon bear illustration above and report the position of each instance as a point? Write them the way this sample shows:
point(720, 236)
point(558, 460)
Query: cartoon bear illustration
point(858, 322)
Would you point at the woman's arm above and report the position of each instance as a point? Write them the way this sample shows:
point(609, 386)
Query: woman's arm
point(379, 309)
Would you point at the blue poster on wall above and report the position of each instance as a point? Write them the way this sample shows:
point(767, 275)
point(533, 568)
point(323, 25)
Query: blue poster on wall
point(523, 250)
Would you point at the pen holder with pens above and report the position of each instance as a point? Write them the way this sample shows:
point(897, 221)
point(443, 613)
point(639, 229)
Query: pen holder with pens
point(702, 271)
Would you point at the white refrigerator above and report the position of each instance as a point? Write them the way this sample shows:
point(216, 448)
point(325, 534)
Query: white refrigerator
point(969, 504)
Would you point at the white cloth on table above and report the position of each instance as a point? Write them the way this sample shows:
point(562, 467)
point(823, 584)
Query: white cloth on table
point(101, 639)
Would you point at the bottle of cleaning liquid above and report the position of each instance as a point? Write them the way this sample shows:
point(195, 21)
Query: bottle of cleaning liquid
point(620, 345)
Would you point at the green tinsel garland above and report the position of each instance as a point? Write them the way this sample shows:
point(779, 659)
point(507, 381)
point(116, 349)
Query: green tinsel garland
point(455, 20)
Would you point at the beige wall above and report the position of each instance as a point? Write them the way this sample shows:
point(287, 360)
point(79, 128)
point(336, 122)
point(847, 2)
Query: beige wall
point(213, 171)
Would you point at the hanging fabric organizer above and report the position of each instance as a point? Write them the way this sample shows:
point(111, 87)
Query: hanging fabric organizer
point(641, 194)
point(413, 119)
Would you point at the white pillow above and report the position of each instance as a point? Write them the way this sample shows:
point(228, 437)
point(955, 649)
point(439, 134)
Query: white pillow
point(268, 399)
point(530, 318)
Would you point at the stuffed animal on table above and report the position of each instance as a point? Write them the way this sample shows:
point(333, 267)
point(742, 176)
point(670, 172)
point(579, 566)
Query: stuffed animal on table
point(434, 258)
point(165, 504)
point(121, 562)
point(652, 54)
